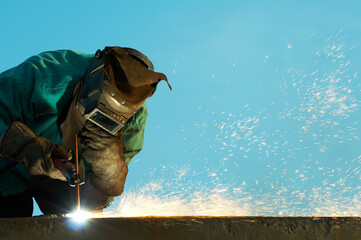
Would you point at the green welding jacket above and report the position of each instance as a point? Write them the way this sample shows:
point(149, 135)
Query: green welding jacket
point(38, 93)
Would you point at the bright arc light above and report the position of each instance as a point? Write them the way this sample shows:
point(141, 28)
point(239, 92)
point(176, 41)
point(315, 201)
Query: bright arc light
point(79, 216)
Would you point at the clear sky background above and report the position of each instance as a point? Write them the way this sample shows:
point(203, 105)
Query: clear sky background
point(265, 106)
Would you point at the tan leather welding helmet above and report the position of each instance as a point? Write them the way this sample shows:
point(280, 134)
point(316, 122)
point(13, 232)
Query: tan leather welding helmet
point(118, 82)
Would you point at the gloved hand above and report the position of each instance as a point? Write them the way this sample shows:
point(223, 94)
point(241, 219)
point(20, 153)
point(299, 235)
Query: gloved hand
point(68, 169)
point(105, 154)
point(21, 145)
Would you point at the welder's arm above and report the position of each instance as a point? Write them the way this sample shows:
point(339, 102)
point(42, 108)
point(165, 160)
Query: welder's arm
point(20, 145)
point(133, 137)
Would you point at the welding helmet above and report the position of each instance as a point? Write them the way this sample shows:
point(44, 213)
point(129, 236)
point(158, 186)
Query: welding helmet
point(118, 82)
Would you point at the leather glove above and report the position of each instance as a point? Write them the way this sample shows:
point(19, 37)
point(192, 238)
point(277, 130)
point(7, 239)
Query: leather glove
point(105, 154)
point(21, 145)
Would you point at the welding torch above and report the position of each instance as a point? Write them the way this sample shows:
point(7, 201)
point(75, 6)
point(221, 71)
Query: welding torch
point(71, 171)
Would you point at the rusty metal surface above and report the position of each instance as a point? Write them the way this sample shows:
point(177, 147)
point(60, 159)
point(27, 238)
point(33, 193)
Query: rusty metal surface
point(184, 228)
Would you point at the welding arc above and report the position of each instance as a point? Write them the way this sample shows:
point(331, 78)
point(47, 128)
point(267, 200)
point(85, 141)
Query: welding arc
point(77, 173)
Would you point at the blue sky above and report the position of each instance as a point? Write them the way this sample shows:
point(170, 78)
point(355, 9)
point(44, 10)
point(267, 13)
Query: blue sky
point(262, 96)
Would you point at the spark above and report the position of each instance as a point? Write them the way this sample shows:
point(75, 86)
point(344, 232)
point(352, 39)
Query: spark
point(266, 57)
point(300, 129)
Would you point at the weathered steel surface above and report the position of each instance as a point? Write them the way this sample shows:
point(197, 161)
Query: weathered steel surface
point(185, 228)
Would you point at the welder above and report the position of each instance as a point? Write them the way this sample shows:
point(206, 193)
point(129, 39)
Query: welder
point(52, 98)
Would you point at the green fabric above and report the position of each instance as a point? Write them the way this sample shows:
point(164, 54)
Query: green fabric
point(38, 93)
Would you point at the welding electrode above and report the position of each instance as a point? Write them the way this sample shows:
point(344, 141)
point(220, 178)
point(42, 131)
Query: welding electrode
point(70, 172)
point(77, 173)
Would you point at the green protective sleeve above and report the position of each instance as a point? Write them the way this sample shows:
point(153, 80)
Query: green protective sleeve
point(133, 136)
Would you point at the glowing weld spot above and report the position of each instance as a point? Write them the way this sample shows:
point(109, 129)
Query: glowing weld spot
point(79, 216)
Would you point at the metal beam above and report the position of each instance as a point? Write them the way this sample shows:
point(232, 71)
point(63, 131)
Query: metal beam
point(184, 228)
